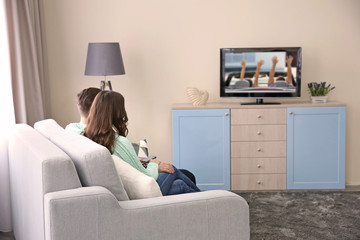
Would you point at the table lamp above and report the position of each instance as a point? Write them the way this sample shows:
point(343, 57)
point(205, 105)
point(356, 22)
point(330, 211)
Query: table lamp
point(104, 59)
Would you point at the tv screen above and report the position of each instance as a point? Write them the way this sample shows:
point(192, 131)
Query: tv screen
point(260, 72)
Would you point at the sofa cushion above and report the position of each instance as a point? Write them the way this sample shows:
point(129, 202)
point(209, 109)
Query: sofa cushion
point(136, 184)
point(141, 148)
point(93, 162)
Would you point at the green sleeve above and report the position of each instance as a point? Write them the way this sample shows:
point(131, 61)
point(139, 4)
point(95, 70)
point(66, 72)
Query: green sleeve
point(124, 150)
point(76, 127)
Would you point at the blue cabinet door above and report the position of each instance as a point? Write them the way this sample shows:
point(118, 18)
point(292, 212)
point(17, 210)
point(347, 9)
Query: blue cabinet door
point(201, 144)
point(316, 148)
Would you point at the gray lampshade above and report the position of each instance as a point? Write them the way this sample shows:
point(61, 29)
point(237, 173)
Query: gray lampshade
point(104, 59)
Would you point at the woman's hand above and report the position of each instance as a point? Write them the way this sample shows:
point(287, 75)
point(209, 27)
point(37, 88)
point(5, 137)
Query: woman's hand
point(274, 60)
point(155, 161)
point(289, 60)
point(166, 167)
point(243, 63)
point(260, 63)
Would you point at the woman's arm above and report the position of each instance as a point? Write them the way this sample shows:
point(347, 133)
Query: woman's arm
point(243, 64)
point(289, 60)
point(272, 71)
point(124, 150)
point(166, 167)
point(256, 81)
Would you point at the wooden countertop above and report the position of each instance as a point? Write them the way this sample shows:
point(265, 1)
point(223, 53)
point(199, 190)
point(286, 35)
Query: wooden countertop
point(238, 105)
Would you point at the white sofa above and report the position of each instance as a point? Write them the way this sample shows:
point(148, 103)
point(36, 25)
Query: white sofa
point(64, 186)
point(5, 201)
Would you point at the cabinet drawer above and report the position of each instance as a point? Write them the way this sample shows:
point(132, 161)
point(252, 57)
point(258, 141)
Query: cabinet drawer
point(258, 116)
point(258, 182)
point(258, 132)
point(258, 165)
point(258, 149)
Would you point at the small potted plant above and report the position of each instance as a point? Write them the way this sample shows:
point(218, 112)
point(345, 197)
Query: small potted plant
point(319, 91)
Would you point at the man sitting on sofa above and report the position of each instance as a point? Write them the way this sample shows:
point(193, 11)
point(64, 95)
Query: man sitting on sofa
point(84, 100)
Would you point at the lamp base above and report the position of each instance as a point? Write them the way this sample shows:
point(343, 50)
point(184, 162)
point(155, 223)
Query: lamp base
point(105, 83)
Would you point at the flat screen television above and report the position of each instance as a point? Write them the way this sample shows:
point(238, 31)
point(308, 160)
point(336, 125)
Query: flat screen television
point(260, 73)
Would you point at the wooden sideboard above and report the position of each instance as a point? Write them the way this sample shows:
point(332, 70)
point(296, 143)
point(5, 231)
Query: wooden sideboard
point(262, 147)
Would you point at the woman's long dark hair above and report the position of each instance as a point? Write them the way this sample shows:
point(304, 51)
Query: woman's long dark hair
point(107, 114)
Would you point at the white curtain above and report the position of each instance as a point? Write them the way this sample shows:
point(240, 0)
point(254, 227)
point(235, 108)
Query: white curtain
point(24, 82)
point(7, 120)
point(28, 60)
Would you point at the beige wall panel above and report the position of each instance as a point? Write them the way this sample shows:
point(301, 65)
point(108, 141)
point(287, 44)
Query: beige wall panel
point(168, 46)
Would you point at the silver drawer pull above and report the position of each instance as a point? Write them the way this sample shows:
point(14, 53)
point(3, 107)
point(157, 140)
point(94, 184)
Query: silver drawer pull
point(258, 133)
point(258, 182)
point(226, 114)
point(259, 116)
point(259, 149)
point(259, 166)
point(291, 113)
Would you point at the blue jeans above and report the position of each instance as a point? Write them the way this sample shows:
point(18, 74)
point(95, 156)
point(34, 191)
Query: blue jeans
point(175, 183)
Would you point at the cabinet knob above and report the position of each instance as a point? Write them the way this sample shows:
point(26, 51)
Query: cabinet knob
point(291, 113)
point(258, 133)
point(259, 116)
point(226, 114)
point(259, 166)
point(259, 149)
point(258, 182)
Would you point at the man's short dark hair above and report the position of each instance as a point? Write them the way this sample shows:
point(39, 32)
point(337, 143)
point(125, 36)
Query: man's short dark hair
point(85, 98)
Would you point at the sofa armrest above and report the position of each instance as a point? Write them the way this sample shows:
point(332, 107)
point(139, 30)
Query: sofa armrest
point(216, 214)
point(72, 214)
point(94, 213)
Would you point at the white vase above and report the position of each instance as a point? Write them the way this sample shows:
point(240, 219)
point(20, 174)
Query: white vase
point(197, 97)
point(319, 99)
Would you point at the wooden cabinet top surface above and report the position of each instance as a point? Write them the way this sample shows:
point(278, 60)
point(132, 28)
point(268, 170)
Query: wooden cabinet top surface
point(238, 105)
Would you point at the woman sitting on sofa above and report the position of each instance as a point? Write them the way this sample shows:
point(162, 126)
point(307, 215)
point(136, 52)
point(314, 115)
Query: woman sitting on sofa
point(107, 125)
point(84, 100)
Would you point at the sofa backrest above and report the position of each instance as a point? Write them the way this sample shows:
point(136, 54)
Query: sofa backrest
point(92, 161)
point(36, 167)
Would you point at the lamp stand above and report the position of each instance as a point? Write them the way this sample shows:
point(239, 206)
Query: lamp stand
point(105, 83)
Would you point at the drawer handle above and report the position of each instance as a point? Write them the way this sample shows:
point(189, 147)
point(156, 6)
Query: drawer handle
point(258, 133)
point(259, 116)
point(291, 113)
point(259, 149)
point(259, 166)
point(258, 182)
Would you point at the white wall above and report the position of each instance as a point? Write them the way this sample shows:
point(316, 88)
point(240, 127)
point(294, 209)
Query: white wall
point(169, 45)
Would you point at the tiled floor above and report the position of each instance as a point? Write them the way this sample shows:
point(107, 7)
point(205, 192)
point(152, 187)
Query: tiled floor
point(6, 236)
point(348, 188)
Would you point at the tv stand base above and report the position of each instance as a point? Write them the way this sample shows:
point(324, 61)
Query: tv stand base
point(259, 101)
